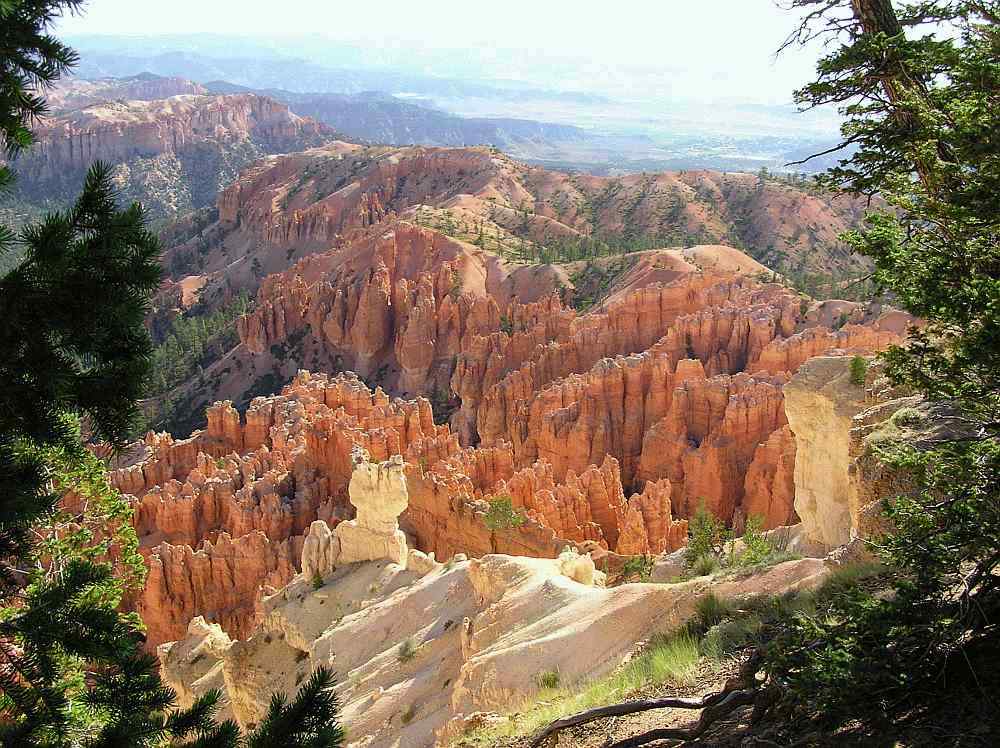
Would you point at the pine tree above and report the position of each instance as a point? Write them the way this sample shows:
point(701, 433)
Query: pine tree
point(76, 358)
point(919, 85)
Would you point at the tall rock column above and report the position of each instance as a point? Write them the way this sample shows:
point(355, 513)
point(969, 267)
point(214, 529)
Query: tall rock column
point(378, 492)
point(820, 402)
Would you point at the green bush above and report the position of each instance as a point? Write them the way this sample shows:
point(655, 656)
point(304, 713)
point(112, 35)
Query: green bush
point(728, 637)
point(706, 536)
point(756, 547)
point(407, 716)
point(407, 650)
point(908, 418)
point(859, 370)
point(317, 580)
point(502, 515)
point(638, 566)
point(549, 679)
point(706, 565)
point(710, 611)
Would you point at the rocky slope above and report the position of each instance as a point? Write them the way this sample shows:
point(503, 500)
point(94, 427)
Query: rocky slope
point(75, 93)
point(222, 516)
point(173, 154)
point(605, 425)
point(652, 397)
point(529, 213)
point(345, 242)
point(424, 648)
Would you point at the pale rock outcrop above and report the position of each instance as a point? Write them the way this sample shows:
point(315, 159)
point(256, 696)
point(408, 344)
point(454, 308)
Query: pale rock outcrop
point(196, 662)
point(378, 492)
point(580, 568)
point(821, 402)
point(480, 632)
point(320, 551)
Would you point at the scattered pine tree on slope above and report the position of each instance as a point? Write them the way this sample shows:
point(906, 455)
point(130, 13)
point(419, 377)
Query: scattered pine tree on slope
point(72, 672)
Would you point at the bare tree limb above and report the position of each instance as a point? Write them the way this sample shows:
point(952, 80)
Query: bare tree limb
point(732, 701)
point(838, 147)
point(621, 709)
point(737, 692)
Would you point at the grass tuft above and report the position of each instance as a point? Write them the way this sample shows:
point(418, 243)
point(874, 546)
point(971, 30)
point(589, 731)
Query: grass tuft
point(407, 650)
point(549, 680)
point(667, 659)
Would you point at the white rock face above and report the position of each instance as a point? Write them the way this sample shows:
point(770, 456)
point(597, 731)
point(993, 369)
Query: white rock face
point(320, 551)
point(820, 402)
point(479, 632)
point(378, 492)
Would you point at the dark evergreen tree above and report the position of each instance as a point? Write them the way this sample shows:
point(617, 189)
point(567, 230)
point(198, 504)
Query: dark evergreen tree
point(72, 671)
point(919, 85)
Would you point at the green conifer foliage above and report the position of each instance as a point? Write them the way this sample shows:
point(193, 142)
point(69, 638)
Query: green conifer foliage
point(76, 360)
point(919, 83)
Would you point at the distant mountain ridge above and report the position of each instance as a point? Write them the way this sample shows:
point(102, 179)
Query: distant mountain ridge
point(377, 117)
point(172, 154)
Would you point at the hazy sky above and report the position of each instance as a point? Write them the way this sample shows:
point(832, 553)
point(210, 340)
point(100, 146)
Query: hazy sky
point(727, 44)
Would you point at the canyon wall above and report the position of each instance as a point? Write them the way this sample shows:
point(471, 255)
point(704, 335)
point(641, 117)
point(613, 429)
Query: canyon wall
point(222, 516)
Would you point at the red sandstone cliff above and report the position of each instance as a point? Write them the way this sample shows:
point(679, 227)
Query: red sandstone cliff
point(222, 515)
point(118, 131)
point(604, 430)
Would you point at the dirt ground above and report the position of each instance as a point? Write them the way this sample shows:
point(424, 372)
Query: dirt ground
point(606, 732)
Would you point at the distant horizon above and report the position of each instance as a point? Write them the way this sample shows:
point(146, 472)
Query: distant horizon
point(718, 49)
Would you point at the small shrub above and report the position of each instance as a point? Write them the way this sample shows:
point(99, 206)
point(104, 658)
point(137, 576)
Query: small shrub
point(705, 565)
point(859, 370)
point(549, 679)
point(502, 515)
point(407, 716)
point(728, 637)
point(757, 548)
point(670, 659)
point(301, 656)
point(407, 650)
point(638, 566)
point(706, 536)
point(712, 610)
point(908, 418)
point(317, 580)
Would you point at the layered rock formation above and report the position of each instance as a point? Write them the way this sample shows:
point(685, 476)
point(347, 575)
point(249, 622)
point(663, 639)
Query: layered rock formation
point(172, 153)
point(845, 429)
point(223, 516)
point(308, 202)
point(71, 92)
point(476, 375)
point(821, 401)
